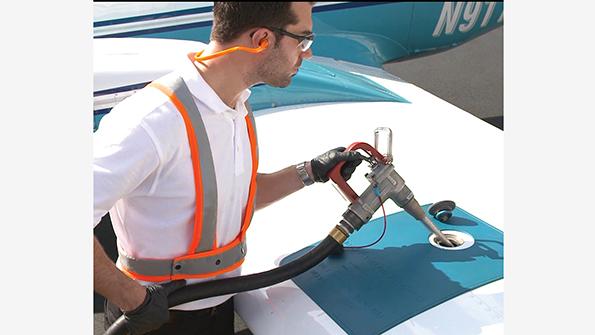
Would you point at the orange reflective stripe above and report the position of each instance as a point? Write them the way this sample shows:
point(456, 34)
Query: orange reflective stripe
point(194, 154)
point(162, 271)
point(252, 192)
point(138, 276)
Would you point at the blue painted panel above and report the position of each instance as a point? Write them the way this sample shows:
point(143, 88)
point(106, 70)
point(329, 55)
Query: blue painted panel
point(96, 119)
point(364, 33)
point(155, 16)
point(437, 25)
point(192, 32)
point(314, 83)
point(368, 291)
point(368, 35)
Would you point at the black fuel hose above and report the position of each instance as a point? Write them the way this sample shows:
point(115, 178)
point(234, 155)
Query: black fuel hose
point(242, 283)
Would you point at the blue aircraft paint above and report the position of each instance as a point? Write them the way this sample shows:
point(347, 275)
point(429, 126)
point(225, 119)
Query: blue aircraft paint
point(197, 31)
point(121, 89)
point(314, 83)
point(149, 17)
point(206, 9)
point(344, 5)
point(368, 291)
point(364, 33)
point(426, 17)
point(367, 38)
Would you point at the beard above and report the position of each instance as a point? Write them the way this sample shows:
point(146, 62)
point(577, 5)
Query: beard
point(271, 72)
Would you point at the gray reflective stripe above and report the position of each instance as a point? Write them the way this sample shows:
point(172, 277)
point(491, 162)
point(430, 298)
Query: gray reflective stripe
point(209, 183)
point(196, 266)
point(146, 267)
point(211, 263)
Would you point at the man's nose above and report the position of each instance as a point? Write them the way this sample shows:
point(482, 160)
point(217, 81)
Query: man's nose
point(307, 54)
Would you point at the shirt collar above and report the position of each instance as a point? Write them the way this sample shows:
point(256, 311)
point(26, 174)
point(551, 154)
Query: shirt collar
point(201, 90)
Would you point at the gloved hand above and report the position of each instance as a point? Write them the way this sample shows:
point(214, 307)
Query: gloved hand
point(323, 164)
point(154, 311)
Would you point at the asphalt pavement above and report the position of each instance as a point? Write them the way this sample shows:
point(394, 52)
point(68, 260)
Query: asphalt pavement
point(469, 76)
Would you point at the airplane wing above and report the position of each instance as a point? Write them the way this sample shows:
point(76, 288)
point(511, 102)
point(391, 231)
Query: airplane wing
point(441, 151)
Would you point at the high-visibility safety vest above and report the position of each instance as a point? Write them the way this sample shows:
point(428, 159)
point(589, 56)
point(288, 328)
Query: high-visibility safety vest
point(203, 259)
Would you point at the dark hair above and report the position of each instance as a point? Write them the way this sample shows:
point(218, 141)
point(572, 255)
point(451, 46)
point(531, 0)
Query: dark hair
point(231, 19)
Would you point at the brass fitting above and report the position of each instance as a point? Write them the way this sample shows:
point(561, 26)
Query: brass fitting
point(338, 234)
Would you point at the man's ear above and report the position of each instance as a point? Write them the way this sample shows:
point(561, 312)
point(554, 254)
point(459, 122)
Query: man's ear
point(262, 38)
point(264, 43)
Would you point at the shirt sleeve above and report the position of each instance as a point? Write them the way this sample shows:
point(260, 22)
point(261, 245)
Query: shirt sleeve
point(123, 160)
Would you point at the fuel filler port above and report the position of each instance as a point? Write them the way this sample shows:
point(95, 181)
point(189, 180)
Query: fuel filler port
point(459, 239)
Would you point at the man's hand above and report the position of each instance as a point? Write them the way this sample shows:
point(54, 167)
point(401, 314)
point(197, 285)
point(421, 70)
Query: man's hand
point(154, 311)
point(323, 164)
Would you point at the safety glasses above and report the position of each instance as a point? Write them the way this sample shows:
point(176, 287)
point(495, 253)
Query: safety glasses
point(305, 40)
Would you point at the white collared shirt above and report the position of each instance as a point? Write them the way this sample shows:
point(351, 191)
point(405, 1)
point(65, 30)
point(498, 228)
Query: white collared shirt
point(143, 175)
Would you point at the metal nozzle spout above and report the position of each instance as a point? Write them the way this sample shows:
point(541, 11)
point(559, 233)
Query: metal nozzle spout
point(415, 210)
point(426, 221)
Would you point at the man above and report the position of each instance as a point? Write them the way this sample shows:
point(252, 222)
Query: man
point(175, 165)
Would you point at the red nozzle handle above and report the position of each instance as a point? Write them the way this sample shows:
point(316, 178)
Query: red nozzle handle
point(335, 173)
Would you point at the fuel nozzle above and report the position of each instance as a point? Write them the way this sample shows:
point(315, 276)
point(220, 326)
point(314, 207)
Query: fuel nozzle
point(385, 183)
point(415, 210)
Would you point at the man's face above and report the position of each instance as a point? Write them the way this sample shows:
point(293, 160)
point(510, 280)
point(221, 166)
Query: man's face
point(286, 57)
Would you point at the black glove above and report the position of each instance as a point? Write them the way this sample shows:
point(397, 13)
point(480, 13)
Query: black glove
point(323, 164)
point(154, 311)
